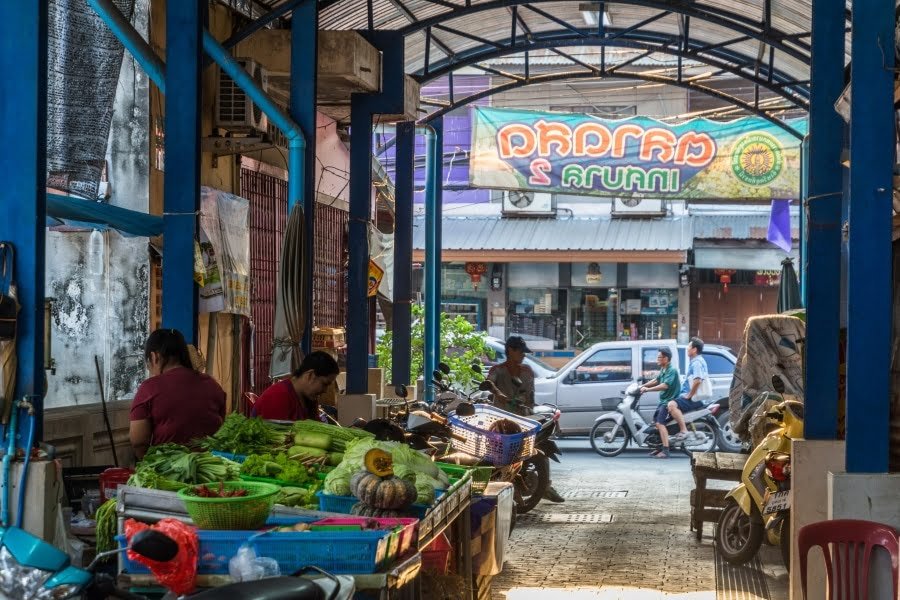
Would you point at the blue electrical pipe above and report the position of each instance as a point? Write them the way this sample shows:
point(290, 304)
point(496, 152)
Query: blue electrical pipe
point(23, 476)
point(155, 69)
point(7, 464)
point(433, 173)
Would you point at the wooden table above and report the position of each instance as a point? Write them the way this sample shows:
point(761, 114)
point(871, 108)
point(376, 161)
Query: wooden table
point(706, 505)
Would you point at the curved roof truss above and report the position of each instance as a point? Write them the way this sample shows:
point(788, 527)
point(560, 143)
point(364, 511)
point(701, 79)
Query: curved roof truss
point(590, 74)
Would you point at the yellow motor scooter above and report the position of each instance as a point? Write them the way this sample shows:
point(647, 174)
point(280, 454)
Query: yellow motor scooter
point(759, 507)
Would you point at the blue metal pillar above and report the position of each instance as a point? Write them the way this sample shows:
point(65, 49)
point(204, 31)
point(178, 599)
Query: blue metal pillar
point(403, 249)
point(23, 132)
point(304, 60)
point(362, 107)
point(870, 249)
point(185, 23)
point(434, 171)
point(822, 221)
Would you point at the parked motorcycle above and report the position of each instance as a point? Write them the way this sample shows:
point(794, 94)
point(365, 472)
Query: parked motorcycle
point(759, 506)
point(613, 431)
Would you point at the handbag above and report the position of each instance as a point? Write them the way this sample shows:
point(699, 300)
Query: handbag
point(705, 391)
point(9, 304)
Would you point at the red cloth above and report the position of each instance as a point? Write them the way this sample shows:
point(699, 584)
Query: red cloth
point(181, 405)
point(280, 402)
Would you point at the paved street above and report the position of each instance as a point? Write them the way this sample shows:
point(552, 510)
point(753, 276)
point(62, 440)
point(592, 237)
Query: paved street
point(638, 547)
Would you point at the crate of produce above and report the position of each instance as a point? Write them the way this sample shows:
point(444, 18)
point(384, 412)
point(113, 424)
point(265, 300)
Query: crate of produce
point(403, 531)
point(481, 476)
point(344, 552)
point(344, 504)
point(492, 446)
point(238, 512)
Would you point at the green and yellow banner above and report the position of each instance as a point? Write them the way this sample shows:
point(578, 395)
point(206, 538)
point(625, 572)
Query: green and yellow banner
point(745, 159)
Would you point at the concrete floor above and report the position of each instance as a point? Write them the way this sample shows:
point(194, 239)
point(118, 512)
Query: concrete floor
point(645, 551)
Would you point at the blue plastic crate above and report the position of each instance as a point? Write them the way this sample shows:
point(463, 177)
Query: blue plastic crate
point(345, 552)
point(344, 504)
point(495, 448)
point(238, 458)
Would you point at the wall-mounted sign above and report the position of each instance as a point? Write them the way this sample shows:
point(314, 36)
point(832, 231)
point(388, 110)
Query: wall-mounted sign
point(745, 159)
point(375, 275)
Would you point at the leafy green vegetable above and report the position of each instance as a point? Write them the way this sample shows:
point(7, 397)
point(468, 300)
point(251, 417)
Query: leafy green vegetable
point(400, 453)
point(296, 496)
point(178, 464)
point(279, 466)
point(106, 526)
point(240, 435)
point(424, 493)
point(337, 482)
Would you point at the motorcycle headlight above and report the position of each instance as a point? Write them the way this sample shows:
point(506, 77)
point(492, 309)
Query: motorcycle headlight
point(60, 592)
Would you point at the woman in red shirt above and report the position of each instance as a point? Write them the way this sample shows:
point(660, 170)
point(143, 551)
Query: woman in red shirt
point(295, 398)
point(176, 404)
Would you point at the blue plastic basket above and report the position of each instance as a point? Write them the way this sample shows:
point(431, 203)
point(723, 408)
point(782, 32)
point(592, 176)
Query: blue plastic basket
point(344, 504)
point(238, 458)
point(495, 448)
point(345, 552)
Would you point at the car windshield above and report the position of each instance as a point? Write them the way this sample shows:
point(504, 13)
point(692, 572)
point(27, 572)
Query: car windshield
point(542, 364)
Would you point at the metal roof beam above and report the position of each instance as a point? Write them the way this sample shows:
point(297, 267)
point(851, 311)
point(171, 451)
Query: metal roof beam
point(556, 20)
point(575, 60)
point(468, 36)
point(551, 77)
point(412, 19)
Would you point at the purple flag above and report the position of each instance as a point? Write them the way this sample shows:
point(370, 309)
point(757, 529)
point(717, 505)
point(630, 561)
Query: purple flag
point(780, 224)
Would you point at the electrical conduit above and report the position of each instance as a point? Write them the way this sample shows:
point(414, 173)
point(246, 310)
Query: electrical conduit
point(7, 461)
point(23, 477)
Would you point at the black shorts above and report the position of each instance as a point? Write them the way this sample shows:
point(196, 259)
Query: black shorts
point(687, 406)
point(662, 414)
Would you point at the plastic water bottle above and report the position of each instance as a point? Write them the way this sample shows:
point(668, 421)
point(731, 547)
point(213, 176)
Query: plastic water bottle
point(95, 253)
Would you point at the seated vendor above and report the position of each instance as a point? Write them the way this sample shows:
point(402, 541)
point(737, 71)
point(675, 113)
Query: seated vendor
point(176, 404)
point(296, 398)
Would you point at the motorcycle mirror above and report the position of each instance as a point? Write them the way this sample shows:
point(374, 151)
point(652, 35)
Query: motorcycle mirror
point(476, 367)
point(465, 409)
point(778, 384)
point(485, 386)
point(444, 367)
point(154, 545)
point(437, 374)
point(401, 390)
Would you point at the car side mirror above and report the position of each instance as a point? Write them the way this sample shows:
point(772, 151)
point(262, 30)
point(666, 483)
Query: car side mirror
point(569, 378)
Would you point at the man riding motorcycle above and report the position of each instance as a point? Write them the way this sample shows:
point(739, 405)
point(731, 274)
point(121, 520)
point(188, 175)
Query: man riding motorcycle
point(512, 384)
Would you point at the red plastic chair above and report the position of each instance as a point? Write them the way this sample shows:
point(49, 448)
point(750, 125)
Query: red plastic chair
point(847, 569)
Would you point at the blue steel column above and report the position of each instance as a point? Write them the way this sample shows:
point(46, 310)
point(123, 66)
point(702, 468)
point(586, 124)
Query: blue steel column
point(403, 249)
point(822, 216)
point(434, 171)
point(23, 132)
point(870, 271)
point(185, 22)
point(304, 60)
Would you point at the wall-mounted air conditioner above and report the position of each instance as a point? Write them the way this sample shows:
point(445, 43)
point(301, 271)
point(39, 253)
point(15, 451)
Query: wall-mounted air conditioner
point(638, 207)
point(235, 110)
point(528, 203)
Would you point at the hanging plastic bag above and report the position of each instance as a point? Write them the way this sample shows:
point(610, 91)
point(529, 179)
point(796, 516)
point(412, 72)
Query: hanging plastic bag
point(180, 573)
point(246, 566)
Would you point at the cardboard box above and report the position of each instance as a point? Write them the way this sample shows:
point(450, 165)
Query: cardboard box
point(328, 337)
point(353, 406)
point(376, 382)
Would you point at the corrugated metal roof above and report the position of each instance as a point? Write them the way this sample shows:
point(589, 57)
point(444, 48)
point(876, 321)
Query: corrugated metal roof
point(737, 227)
point(563, 234)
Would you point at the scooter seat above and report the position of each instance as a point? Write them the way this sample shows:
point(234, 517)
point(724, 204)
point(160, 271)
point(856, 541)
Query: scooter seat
point(275, 588)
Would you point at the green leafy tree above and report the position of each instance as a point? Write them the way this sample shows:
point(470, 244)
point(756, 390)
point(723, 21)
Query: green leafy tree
point(461, 345)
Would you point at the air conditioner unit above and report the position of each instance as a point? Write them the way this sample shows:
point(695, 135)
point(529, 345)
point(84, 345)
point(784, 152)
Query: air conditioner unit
point(638, 207)
point(526, 202)
point(235, 110)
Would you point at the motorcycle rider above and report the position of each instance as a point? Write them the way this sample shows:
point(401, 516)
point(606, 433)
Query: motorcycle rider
point(512, 384)
point(697, 371)
point(667, 381)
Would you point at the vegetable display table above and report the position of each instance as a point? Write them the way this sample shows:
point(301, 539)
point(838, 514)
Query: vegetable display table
point(707, 504)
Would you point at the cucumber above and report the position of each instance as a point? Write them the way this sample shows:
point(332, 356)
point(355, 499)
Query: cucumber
point(312, 439)
point(335, 458)
point(294, 451)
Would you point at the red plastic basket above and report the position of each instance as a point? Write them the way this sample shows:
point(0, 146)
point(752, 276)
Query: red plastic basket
point(436, 557)
point(110, 480)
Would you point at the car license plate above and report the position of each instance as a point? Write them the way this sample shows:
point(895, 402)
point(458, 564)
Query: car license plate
point(777, 502)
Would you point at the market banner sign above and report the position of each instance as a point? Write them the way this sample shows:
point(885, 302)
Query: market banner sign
point(745, 159)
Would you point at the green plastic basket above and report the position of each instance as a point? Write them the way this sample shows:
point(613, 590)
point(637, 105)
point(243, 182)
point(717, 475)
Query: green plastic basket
point(245, 512)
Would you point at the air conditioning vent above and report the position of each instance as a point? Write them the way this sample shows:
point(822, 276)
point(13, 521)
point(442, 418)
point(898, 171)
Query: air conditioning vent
point(528, 203)
point(235, 110)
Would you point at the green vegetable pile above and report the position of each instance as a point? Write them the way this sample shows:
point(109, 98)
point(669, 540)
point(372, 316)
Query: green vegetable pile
point(340, 437)
point(408, 464)
point(240, 435)
point(298, 497)
point(106, 526)
point(278, 466)
point(168, 465)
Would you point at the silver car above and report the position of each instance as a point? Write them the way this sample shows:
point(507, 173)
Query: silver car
point(592, 383)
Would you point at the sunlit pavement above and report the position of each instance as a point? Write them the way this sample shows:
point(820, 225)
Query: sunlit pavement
point(645, 551)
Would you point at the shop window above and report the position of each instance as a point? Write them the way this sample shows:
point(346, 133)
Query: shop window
point(649, 366)
point(604, 366)
point(718, 364)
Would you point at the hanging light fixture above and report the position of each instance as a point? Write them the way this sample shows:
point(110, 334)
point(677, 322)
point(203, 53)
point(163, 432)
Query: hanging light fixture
point(724, 276)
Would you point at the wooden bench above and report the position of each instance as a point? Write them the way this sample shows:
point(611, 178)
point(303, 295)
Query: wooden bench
point(706, 505)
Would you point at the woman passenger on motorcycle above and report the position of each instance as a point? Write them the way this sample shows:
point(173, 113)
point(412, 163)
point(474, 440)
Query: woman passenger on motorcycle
point(667, 383)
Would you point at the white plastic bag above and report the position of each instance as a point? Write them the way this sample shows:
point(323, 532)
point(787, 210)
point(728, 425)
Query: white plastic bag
point(246, 566)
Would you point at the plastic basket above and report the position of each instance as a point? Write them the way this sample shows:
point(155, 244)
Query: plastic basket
point(481, 476)
point(247, 512)
point(403, 531)
point(344, 552)
point(436, 557)
point(238, 458)
point(344, 504)
point(495, 448)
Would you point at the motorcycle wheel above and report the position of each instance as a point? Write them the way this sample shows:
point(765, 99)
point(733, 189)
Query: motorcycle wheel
point(609, 446)
point(784, 542)
point(710, 428)
point(532, 481)
point(738, 537)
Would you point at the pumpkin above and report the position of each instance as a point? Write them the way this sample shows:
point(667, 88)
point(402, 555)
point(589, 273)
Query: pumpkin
point(387, 493)
point(379, 462)
point(361, 509)
point(505, 427)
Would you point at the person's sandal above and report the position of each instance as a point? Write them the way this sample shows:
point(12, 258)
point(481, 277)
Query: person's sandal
point(662, 454)
point(654, 452)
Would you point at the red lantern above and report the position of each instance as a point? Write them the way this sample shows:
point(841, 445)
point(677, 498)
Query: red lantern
point(725, 278)
point(475, 271)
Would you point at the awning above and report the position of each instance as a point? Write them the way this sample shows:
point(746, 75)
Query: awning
point(750, 259)
point(77, 212)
